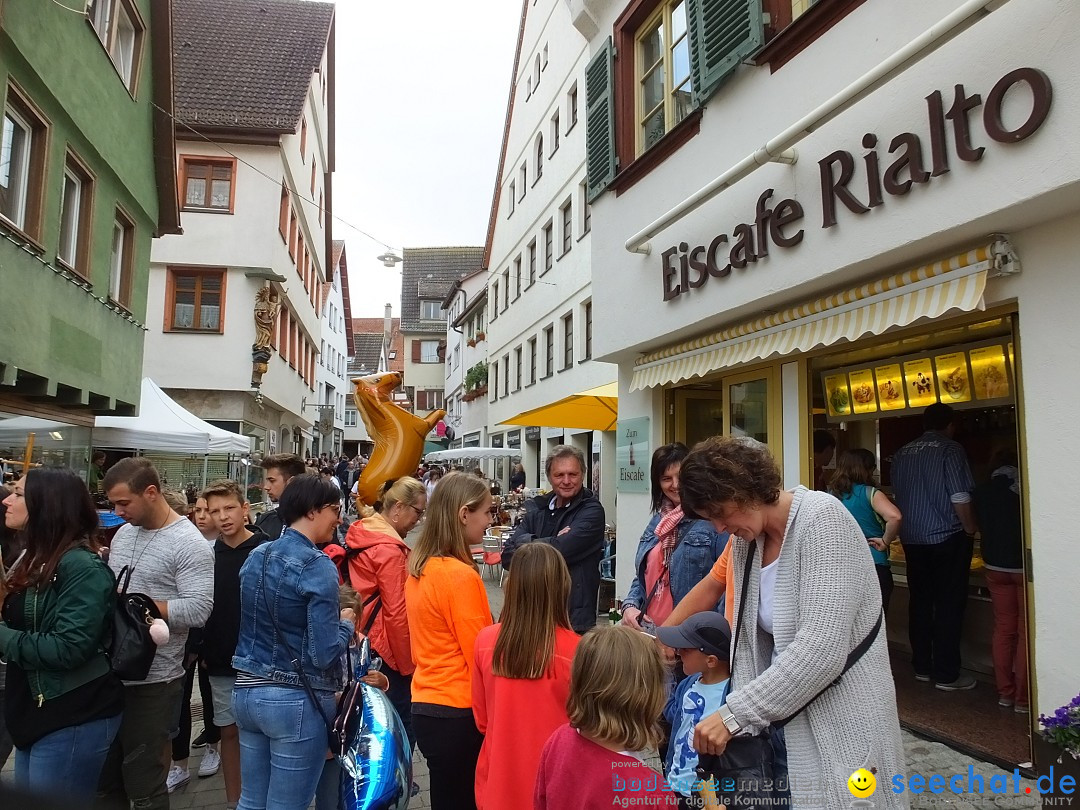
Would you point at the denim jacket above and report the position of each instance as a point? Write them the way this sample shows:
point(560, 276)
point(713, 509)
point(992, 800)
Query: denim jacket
point(300, 587)
point(700, 545)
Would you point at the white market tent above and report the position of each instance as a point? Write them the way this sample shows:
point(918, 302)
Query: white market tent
point(163, 425)
point(473, 454)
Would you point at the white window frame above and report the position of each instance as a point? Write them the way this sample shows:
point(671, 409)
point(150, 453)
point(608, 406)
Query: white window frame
point(429, 351)
point(70, 215)
point(425, 309)
point(21, 191)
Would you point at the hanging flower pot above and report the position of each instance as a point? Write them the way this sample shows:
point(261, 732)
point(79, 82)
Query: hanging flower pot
point(480, 336)
point(471, 342)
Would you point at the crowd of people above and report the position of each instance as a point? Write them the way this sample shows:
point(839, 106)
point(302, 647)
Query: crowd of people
point(747, 605)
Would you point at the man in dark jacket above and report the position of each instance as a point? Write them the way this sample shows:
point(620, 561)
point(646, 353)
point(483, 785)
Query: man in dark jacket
point(279, 470)
point(571, 519)
point(228, 508)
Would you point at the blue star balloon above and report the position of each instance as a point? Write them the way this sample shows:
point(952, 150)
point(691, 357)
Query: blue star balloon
point(376, 767)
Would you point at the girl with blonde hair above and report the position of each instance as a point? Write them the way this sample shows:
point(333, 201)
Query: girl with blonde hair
point(524, 661)
point(377, 561)
point(447, 608)
point(617, 692)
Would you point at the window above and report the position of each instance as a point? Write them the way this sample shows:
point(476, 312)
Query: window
point(585, 208)
point(506, 375)
point(208, 184)
point(494, 380)
point(313, 178)
point(283, 212)
point(555, 134)
point(528, 89)
point(320, 207)
point(663, 74)
point(513, 197)
point(429, 399)
point(457, 357)
point(75, 207)
point(539, 158)
point(121, 259)
point(517, 369)
point(22, 164)
point(523, 180)
point(549, 351)
point(194, 300)
point(292, 234)
point(536, 72)
point(532, 360)
point(431, 310)
point(303, 139)
point(494, 300)
point(588, 331)
point(120, 29)
point(568, 341)
point(567, 227)
point(350, 417)
point(571, 107)
point(429, 351)
point(532, 262)
point(547, 246)
point(543, 65)
point(506, 288)
point(517, 277)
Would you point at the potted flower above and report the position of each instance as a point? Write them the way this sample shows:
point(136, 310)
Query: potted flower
point(1061, 735)
point(471, 342)
point(480, 336)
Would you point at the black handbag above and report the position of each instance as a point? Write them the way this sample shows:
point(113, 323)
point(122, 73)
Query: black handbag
point(131, 649)
point(745, 773)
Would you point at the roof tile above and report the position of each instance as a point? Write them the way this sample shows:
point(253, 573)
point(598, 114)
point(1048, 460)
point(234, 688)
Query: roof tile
point(430, 273)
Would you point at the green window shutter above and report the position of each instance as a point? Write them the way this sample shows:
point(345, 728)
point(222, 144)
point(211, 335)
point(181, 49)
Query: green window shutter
point(600, 121)
point(722, 34)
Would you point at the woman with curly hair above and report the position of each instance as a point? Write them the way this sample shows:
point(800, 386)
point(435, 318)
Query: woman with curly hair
point(807, 608)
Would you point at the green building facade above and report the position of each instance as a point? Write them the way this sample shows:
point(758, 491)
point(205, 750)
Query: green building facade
point(87, 179)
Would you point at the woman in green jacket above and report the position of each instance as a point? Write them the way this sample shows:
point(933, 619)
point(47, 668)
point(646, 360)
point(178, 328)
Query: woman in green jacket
point(62, 700)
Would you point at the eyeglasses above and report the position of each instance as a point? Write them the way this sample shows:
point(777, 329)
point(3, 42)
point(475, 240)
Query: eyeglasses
point(335, 506)
point(419, 512)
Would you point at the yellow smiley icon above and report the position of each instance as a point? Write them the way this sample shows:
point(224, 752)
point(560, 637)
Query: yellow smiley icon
point(862, 784)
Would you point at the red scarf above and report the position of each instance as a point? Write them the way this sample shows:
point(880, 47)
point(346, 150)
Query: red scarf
point(668, 532)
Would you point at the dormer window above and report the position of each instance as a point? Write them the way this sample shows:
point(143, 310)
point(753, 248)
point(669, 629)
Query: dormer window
point(431, 311)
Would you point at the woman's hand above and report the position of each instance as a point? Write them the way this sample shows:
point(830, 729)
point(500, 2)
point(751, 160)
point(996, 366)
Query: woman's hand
point(877, 543)
point(349, 615)
point(711, 736)
point(376, 679)
point(630, 615)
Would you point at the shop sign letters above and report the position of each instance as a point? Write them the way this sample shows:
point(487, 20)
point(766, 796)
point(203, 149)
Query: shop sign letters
point(905, 164)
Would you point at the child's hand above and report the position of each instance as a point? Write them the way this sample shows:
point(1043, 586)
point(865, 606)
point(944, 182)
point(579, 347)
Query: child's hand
point(376, 679)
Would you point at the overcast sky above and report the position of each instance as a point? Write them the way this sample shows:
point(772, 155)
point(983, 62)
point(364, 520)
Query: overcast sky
point(421, 97)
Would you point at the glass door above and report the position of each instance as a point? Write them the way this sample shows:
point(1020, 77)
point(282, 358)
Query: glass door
point(746, 404)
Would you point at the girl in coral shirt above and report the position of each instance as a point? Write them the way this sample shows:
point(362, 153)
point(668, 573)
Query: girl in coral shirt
point(522, 677)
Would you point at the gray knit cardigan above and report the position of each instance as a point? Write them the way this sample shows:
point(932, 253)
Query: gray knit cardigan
point(826, 601)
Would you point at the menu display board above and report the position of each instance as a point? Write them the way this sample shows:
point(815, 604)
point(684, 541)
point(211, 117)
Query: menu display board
point(988, 373)
point(954, 381)
point(890, 387)
point(863, 396)
point(974, 376)
point(919, 380)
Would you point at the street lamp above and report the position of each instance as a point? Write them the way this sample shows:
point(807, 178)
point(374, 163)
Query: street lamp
point(389, 259)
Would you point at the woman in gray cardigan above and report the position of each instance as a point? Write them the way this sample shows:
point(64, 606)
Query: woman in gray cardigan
point(812, 598)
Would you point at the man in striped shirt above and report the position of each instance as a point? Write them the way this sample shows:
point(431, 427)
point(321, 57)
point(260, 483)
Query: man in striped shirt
point(933, 485)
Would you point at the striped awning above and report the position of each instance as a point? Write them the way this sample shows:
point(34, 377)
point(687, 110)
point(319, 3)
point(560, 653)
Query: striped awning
point(929, 291)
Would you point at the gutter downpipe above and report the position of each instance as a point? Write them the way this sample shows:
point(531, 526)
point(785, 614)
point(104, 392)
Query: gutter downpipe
point(780, 149)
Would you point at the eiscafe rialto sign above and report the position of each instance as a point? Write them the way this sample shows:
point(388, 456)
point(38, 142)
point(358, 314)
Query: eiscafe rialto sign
point(887, 171)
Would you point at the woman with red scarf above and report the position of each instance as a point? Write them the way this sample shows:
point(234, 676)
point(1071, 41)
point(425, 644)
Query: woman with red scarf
point(675, 552)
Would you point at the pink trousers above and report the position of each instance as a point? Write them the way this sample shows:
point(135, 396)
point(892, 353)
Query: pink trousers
point(1010, 634)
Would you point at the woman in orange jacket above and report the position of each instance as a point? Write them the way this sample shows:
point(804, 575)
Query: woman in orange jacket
point(378, 566)
point(448, 607)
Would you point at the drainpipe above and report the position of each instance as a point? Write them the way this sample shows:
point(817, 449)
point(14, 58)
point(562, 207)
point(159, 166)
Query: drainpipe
point(780, 149)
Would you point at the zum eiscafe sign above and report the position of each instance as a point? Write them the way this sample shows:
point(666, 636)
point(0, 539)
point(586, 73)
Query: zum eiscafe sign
point(892, 174)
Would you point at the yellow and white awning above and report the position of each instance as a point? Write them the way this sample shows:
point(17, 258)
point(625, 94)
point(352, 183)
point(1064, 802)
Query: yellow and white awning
point(929, 291)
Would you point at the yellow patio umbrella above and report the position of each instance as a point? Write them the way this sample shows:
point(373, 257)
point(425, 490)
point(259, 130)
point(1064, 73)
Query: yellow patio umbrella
point(595, 409)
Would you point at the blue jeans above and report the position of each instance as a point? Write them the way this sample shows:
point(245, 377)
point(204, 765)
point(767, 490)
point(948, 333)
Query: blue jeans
point(67, 762)
point(282, 746)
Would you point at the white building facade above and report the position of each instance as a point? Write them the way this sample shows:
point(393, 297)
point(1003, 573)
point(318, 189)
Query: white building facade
point(916, 212)
point(332, 386)
point(253, 190)
point(466, 361)
point(540, 306)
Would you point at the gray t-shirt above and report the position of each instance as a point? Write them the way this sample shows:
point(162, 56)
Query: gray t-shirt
point(173, 564)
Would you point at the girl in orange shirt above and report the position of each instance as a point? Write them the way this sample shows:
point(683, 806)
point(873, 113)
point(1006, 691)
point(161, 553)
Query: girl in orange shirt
point(447, 608)
point(522, 677)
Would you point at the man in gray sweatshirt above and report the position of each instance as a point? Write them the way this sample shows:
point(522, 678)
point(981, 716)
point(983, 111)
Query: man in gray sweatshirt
point(173, 565)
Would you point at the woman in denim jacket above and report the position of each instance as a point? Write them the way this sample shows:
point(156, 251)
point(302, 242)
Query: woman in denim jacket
point(290, 631)
point(675, 552)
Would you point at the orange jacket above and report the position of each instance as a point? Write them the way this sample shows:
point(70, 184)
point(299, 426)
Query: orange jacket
point(382, 566)
point(447, 607)
point(721, 572)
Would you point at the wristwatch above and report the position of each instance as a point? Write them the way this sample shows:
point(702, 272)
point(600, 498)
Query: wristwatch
point(729, 720)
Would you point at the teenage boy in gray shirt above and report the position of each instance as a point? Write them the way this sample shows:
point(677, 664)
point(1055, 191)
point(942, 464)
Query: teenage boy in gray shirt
point(173, 565)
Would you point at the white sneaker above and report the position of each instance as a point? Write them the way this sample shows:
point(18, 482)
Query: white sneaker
point(178, 777)
point(211, 762)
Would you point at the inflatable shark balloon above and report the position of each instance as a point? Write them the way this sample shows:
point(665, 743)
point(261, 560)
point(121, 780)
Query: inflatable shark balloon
point(376, 768)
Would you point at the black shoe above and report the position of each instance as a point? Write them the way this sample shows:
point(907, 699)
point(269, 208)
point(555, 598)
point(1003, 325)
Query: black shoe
point(200, 741)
